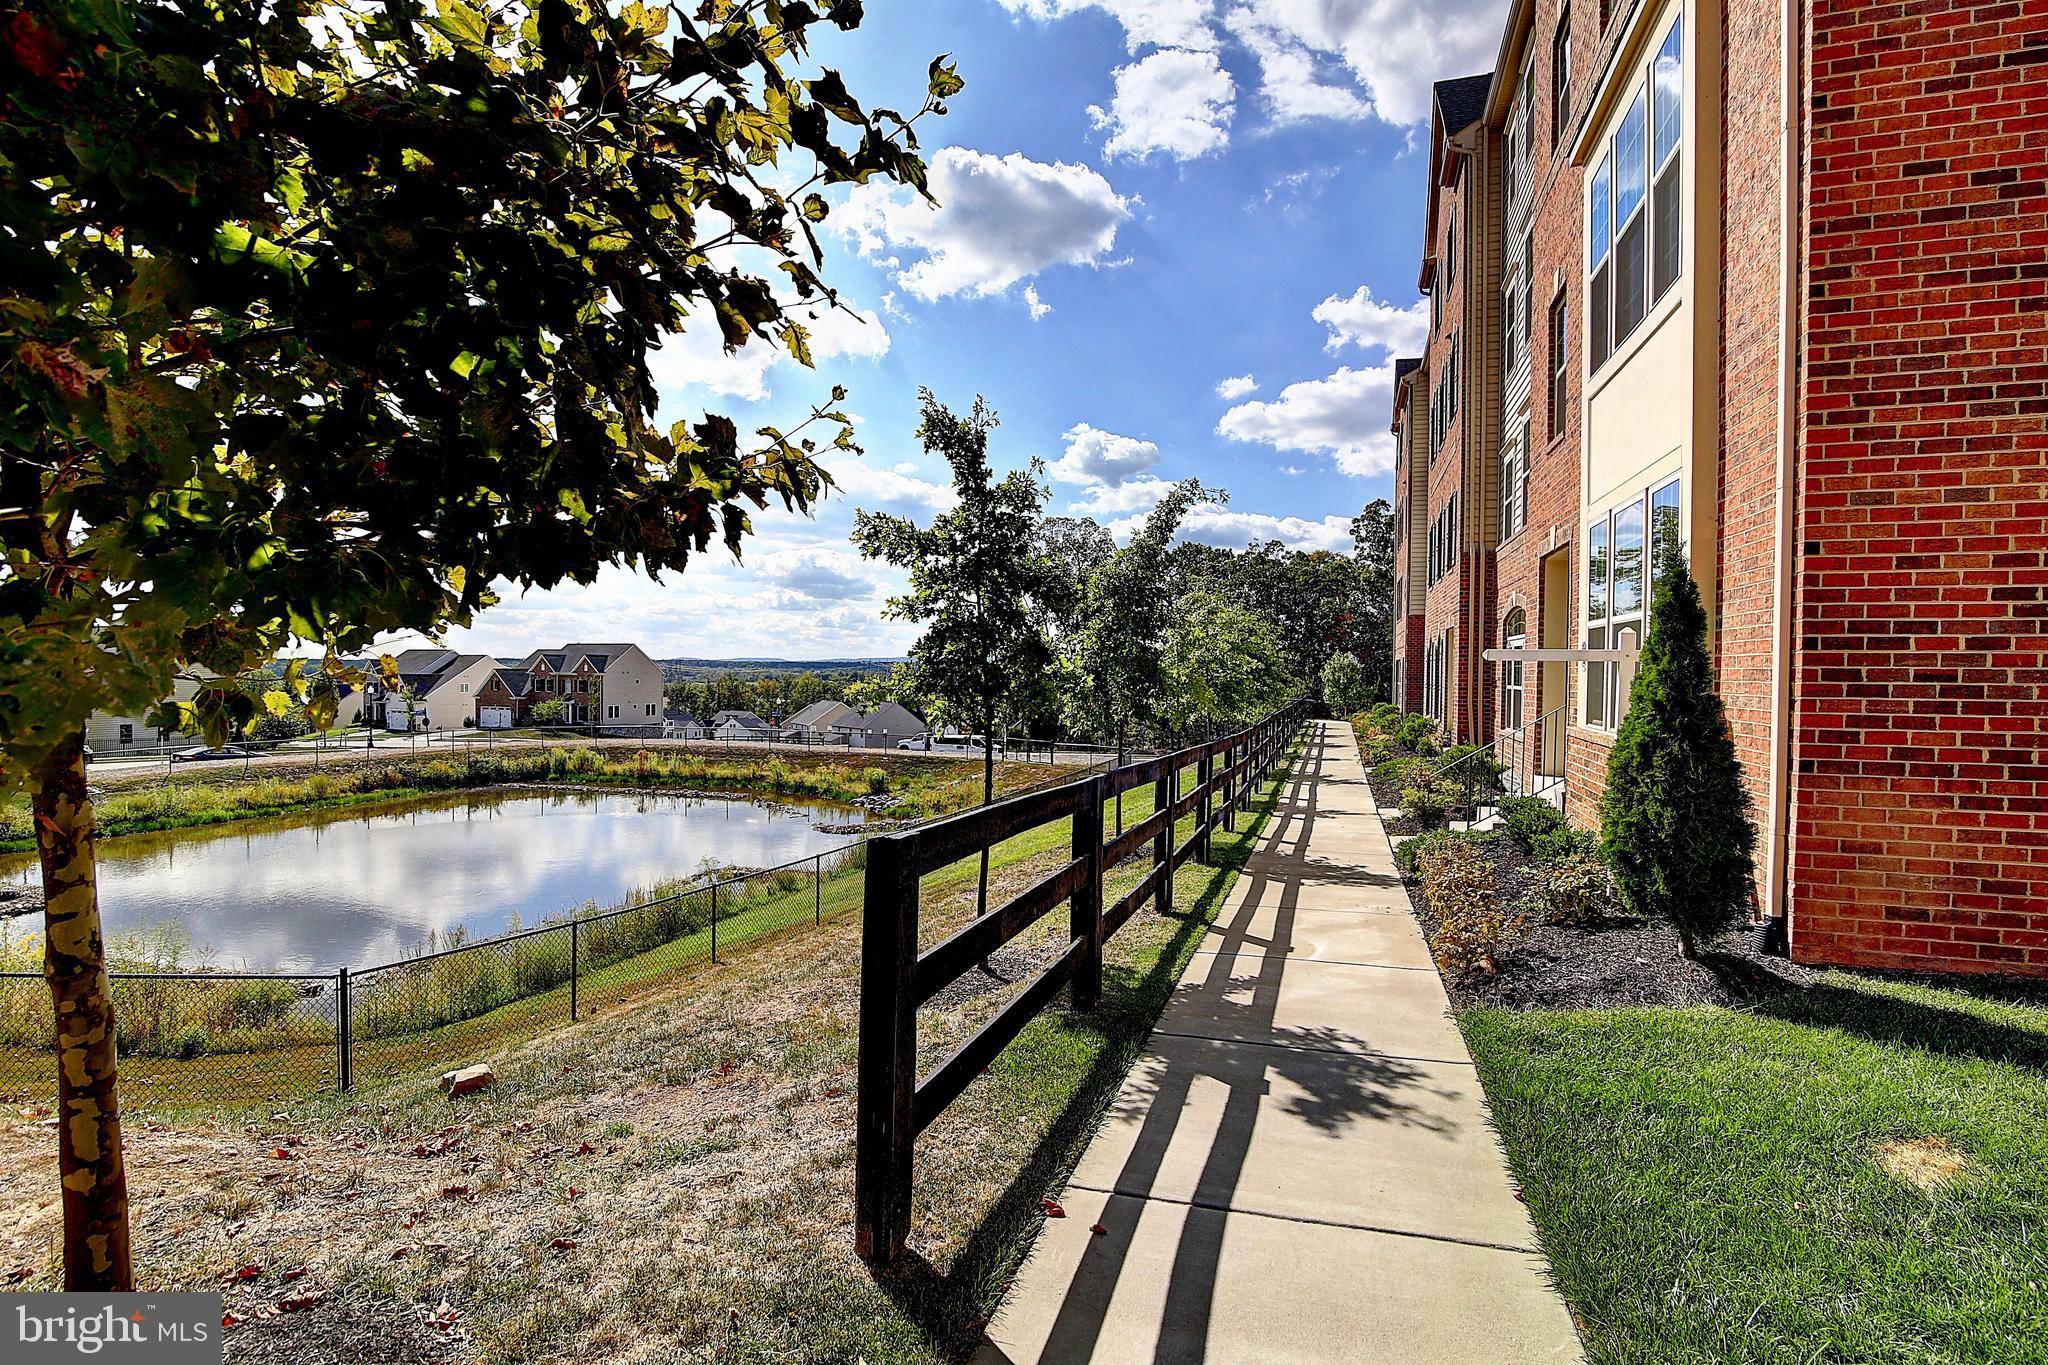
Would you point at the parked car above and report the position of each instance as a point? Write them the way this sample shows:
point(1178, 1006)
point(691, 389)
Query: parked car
point(205, 755)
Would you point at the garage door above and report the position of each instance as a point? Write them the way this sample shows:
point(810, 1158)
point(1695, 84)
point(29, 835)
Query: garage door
point(495, 717)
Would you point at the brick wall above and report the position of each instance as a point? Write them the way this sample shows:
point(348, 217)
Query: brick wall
point(1921, 739)
point(1752, 213)
point(1447, 602)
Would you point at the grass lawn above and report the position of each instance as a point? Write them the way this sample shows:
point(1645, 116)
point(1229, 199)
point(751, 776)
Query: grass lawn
point(671, 1179)
point(1852, 1170)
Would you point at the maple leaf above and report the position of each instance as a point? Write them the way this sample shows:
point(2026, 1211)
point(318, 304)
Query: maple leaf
point(1053, 1209)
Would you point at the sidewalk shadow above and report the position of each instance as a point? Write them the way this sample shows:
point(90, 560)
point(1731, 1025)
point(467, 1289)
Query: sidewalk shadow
point(1337, 1092)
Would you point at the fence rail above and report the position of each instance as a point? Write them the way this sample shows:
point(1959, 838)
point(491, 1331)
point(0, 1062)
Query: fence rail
point(893, 1103)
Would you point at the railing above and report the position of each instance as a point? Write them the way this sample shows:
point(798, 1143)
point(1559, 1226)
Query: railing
point(1485, 772)
point(893, 1103)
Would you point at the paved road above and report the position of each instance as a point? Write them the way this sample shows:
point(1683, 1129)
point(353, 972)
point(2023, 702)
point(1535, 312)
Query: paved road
point(1301, 1166)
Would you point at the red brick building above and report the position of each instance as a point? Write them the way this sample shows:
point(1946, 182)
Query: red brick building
point(1771, 286)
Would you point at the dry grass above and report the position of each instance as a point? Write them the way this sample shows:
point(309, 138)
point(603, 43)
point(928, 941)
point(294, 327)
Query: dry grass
point(1926, 1164)
point(669, 1181)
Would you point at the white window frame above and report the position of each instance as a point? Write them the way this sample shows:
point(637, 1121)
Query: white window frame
point(1605, 332)
point(1604, 695)
point(1513, 695)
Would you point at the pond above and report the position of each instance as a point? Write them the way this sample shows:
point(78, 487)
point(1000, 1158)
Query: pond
point(370, 884)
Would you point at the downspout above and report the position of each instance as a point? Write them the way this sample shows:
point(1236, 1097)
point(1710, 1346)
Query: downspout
point(1777, 896)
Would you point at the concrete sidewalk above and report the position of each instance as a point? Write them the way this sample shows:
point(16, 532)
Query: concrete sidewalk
point(1301, 1166)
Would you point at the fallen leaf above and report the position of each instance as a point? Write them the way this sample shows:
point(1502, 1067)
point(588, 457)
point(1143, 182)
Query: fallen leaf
point(455, 1192)
point(563, 1244)
point(300, 1303)
point(1053, 1209)
point(575, 1193)
point(281, 1154)
point(833, 1092)
point(585, 1150)
point(291, 1275)
point(228, 1320)
point(247, 1272)
point(1099, 1230)
point(446, 1317)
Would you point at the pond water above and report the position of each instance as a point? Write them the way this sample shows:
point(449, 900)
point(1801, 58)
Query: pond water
point(371, 883)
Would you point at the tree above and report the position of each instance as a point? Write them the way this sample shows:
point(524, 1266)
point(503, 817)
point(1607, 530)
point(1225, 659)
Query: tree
point(553, 711)
point(1372, 552)
point(1224, 663)
point(1674, 818)
point(900, 685)
point(319, 320)
point(977, 583)
point(1118, 656)
point(1344, 685)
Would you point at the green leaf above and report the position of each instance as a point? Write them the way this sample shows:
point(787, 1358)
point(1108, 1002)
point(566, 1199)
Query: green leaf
point(945, 79)
point(463, 26)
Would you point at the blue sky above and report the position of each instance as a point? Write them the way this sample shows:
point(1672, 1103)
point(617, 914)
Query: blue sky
point(1176, 237)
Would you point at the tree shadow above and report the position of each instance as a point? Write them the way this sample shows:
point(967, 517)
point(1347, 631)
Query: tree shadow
point(1784, 992)
point(1330, 1086)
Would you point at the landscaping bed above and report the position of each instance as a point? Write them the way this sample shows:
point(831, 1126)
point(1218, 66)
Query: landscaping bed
point(1738, 1158)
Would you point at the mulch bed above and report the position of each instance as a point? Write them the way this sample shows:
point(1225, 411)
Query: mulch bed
point(1620, 960)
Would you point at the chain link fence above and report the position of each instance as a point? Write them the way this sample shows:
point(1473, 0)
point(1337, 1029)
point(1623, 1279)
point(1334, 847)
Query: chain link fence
point(248, 1038)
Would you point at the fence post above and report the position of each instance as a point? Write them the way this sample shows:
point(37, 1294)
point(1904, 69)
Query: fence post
point(1231, 780)
point(575, 964)
point(887, 1077)
point(1205, 773)
point(344, 1039)
point(818, 891)
point(1084, 907)
point(714, 921)
point(1162, 846)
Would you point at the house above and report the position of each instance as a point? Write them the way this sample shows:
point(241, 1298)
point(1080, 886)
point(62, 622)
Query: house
point(438, 689)
point(506, 700)
point(109, 735)
point(741, 725)
point(683, 725)
point(612, 688)
point(1673, 309)
point(818, 723)
point(885, 727)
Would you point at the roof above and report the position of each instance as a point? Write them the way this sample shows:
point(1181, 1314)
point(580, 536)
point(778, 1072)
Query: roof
point(421, 662)
point(890, 716)
point(453, 666)
point(745, 718)
point(1403, 367)
point(1461, 102)
point(818, 713)
point(517, 681)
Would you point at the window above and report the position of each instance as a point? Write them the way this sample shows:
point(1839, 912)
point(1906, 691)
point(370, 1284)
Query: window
point(1514, 486)
point(1451, 250)
point(1514, 635)
point(1557, 364)
point(650, 708)
point(127, 733)
point(1561, 76)
point(1509, 310)
point(1528, 289)
point(1596, 621)
point(611, 713)
point(1621, 548)
point(1528, 110)
point(1599, 243)
point(1631, 218)
point(1633, 243)
point(1666, 90)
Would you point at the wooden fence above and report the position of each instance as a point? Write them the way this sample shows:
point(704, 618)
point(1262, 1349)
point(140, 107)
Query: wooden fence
point(894, 1104)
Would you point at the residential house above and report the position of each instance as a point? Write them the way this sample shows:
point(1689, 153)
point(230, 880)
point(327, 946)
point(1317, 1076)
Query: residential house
point(885, 727)
point(1411, 430)
point(819, 723)
point(109, 735)
point(438, 689)
point(506, 700)
point(683, 725)
point(741, 725)
point(607, 687)
point(1759, 285)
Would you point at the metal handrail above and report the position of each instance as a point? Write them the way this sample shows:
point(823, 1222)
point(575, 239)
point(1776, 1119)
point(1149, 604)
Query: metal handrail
point(1523, 784)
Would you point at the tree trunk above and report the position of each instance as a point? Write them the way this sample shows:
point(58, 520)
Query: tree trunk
point(96, 1249)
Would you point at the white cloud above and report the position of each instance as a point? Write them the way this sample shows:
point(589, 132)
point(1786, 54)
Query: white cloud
point(1039, 307)
point(1174, 101)
point(898, 485)
point(1236, 387)
point(1368, 323)
point(1318, 59)
point(1000, 219)
point(698, 355)
point(1210, 524)
point(1345, 415)
point(1100, 457)
point(1146, 23)
point(1290, 85)
point(1139, 495)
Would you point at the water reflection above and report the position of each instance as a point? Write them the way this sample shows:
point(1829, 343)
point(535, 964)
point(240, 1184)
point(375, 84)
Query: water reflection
point(317, 890)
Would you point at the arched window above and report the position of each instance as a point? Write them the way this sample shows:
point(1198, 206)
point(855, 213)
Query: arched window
point(1514, 635)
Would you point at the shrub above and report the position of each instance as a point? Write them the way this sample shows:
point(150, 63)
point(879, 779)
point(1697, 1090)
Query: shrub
point(877, 780)
point(1476, 767)
point(1566, 841)
point(1420, 734)
point(1398, 772)
point(1472, 927)
point(1525, 819)
point(1375, 749)
point(1385, 714)
point(1575, 890)
point(1674, 818)
point(1429, 799)
point(1409, 852)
